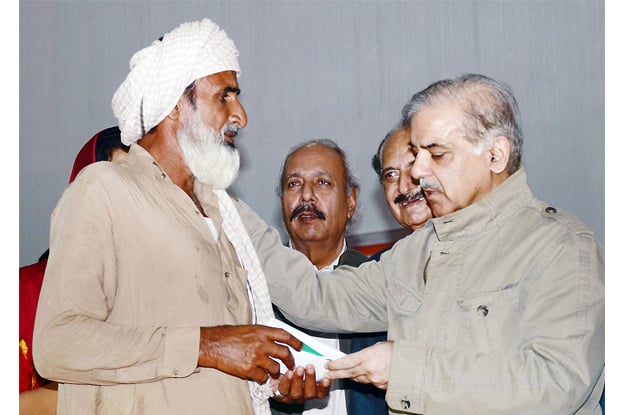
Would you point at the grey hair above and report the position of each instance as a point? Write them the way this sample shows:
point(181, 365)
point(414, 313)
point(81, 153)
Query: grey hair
point(351, 179)
point(489, 106)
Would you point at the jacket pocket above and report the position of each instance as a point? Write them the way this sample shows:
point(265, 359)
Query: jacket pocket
point(404, 299)
point(490, 321)
point(404, 302)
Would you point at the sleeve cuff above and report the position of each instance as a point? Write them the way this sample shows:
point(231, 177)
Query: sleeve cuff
point(406, 377)
point(182, 346)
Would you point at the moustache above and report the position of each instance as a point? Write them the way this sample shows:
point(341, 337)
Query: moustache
point(306, 208)
point(409, 197)
point(428, 185)
point(231, 130)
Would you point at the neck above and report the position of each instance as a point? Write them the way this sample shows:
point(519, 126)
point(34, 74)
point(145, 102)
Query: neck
point(167, 154)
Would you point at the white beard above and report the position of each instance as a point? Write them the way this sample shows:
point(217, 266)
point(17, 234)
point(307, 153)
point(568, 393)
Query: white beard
point(211, 161)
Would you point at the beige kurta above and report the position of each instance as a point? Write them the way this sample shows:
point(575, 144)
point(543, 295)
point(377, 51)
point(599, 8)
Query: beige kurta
point(133, 273)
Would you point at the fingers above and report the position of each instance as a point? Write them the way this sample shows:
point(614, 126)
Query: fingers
point(349, 361)
point(259, 375)
point(300, 385)
point(323, 388)
point(279, 338)
point(310, 383)
point(283, 336)
point(348, 366)
point(370, 365)
point(290, 388)
point(296, 390)
point(283, 353)
point(270, 349)
point(340, 374)
point(273, 367)
point(282, 386)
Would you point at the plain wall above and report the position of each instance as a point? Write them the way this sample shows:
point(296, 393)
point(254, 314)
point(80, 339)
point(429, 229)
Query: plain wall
point(310, 69)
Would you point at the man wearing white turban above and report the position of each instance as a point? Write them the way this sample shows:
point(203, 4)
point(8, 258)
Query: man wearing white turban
point(154, 299)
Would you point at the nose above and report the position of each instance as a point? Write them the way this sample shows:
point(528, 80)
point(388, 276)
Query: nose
point(307, 192)
point(421, 166)
point(405, 182)
point(238, 116)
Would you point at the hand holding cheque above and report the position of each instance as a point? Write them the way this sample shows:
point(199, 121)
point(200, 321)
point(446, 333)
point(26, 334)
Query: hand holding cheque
point(333, 364)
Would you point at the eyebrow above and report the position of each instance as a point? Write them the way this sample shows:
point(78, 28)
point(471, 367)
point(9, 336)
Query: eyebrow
point(315, 173)
point(232, 89)
point(428, 146)
point(434, 145)
point(384, 170)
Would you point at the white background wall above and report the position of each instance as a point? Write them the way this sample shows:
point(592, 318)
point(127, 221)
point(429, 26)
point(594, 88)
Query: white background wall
point(311, 69)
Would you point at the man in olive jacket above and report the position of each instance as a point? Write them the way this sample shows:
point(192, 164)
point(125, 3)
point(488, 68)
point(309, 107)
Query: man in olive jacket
point(496, 306)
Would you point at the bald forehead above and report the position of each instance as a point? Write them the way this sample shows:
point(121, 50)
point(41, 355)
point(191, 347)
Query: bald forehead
point(397, 143)
point(315, 158)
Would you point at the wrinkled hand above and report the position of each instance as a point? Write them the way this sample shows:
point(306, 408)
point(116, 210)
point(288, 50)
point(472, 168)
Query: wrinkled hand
point(369, 365)
point(246, 351)
point(299, 385)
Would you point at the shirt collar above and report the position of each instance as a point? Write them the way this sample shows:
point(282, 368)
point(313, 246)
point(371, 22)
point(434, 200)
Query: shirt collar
point(334, 263)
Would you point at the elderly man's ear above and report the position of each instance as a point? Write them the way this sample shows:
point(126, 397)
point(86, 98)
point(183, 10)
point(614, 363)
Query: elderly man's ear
point(174, 114)
point(499, 154)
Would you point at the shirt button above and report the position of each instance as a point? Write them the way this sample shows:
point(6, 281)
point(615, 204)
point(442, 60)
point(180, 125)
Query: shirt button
point(482, 310)
point(405, 403)
point(551, 210)
point(227, 274)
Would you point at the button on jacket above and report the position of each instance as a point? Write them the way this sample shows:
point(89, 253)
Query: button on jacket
point(133, 274)
point(495, 309)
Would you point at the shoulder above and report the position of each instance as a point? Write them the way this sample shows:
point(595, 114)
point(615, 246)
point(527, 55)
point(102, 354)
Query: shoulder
point(98, 173)
point(557, 220)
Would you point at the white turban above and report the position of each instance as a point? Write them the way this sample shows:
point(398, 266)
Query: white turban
point(160, 73)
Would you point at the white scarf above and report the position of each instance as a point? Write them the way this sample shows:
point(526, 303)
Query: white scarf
point(256, 285)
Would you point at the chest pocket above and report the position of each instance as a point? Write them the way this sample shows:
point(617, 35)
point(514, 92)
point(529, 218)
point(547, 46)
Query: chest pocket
point(404, 302)
point(489, 322)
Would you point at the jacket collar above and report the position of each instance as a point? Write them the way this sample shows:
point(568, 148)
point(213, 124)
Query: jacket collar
point(496, 208)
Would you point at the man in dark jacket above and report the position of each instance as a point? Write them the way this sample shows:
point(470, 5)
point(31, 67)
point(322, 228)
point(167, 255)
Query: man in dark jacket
point(318, 193)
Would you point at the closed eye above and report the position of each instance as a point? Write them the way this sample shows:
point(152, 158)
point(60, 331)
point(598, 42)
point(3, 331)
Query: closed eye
point(230, 93)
